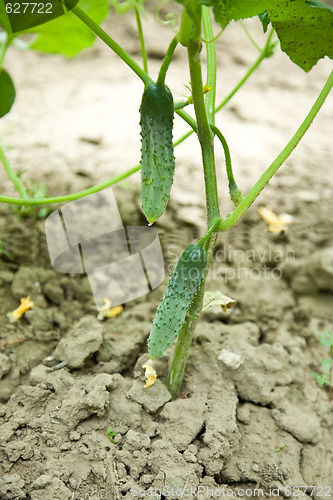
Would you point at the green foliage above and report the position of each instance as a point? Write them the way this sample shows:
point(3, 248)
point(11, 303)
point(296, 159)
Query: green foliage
point(304, 27)
point(67, 35)
point(122, 7)
point(111, 434)
point(305, 31)
point(7, 92)
point(36, 191)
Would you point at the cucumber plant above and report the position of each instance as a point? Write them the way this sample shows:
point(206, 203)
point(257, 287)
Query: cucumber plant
point(303, 28)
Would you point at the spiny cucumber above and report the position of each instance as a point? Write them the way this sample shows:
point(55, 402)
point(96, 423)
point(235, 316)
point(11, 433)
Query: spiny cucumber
point(157, 158)
point(183, 286)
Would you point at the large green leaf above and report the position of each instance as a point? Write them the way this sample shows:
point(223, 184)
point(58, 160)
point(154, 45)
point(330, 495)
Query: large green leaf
point(305, 30)
point(67, 34)
point(7, 92)
point(20, 15)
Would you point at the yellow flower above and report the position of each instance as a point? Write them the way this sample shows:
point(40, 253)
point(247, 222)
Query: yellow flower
point(276, 223)
point(26, 304)
point(109, 312)
point(150, 373)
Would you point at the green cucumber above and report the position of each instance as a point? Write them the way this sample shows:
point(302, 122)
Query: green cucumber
point(157, 158)
point(183, 286)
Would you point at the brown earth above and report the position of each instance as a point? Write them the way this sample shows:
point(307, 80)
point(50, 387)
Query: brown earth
point(252, 430)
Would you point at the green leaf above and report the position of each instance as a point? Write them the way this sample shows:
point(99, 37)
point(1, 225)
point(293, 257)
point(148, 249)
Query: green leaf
point(4, 21)
point(7, 92)
point(326, 364)
point(265, 20)
point(233, 10)
point(21, 16)
point(67, 34)
point(327, 342)
point(304, 29)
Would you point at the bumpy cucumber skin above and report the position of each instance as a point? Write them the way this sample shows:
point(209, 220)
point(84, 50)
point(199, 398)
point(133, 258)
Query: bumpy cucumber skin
point(183, 285)
point(157, 158)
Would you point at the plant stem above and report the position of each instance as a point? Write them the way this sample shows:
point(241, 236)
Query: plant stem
point(226, 150)
point(250, 37)
point(167, 60)
point(142, 40)
point(11, 174)
point(211, 65)
point(206, 138)
point(69, 197)
point(280, 159)
point(3, 49)
point(265, 52)
point(112, 44)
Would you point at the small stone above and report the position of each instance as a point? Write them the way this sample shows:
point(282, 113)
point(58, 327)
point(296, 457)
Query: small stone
point(65, 447)
point(230, 359)
point(151, 398)
point(147, 479)
point(189, 457)
point(192, 449)
point(83, 340)
point(41, 482)
point(136, 440)
point(74, 436)
point(121, 471)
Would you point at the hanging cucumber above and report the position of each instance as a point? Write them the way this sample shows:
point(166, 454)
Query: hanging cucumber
point(183, 286)
point(157, 158)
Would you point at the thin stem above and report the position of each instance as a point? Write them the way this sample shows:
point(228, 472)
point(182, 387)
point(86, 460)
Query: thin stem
point(183, 138)
point(3, 49)
point(70, 197)
point(112, 44)
point(226, 150)
point(167, 60)
point(11, 174)
point(211, 65)
point(235, 193)
point(280, 159)
point(142, 40)
point(266, 52)
point(205, 135)
point(188, 119)
point(250, 37)
point(213, 228)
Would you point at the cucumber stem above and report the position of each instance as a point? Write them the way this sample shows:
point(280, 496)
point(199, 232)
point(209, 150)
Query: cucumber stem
point(167, 60)
point(142, 40)
point(95, 28)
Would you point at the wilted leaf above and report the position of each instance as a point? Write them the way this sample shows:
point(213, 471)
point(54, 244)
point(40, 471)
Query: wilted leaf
point(217, 298)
